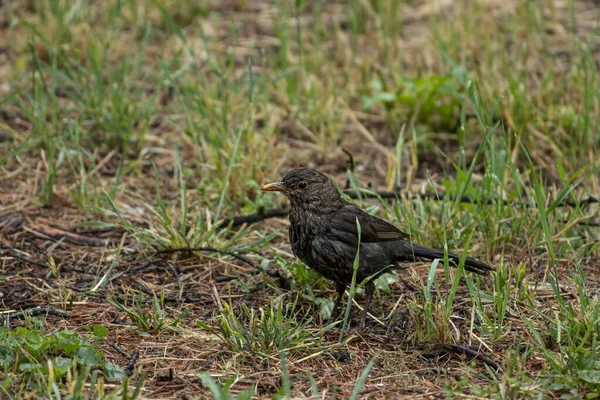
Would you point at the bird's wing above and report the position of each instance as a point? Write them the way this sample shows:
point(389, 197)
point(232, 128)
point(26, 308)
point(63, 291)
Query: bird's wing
point(373, 229)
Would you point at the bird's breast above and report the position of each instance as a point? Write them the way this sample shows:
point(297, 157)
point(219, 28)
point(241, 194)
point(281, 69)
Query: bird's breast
point(303, 227)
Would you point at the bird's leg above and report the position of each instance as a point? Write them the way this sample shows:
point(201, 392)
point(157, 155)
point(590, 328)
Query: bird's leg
point(369, 290)
point(340, 288)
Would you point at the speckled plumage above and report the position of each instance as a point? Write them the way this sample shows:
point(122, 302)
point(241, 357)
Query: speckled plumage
point(324, 235)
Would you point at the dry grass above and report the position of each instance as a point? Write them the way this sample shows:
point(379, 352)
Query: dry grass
point(148, 119)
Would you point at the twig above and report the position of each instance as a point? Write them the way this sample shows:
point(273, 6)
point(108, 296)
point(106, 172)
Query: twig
point(521, 347)
point(226, 278)
point(133, 357)
point(121, 299)
point(92, 230)
point(185, 299)
point(131, 365)
point(272, 272)
point(73, 238)
point(280, 212)
point(256, 217)
point(457, 349)
point(18, 254)
point(118, 349)
point(466, 199)
point(34, 312)
point(350, 168)
point(145, 265)
point(350, 160)
point(408, 284)
point(212, 250)
point(433, 353)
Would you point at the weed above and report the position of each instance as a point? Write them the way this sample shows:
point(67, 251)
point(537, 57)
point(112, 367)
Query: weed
point(34, 362)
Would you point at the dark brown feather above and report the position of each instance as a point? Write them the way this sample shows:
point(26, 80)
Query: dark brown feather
point(324, 234)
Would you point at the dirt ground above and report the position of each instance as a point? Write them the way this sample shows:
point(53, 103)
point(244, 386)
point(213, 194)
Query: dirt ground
point(50, 260)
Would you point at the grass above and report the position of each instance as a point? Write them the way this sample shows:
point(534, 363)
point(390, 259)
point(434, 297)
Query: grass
point(61, 362)
point(131, 127)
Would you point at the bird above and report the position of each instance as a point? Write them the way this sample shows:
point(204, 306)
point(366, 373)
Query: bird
point(324, 235)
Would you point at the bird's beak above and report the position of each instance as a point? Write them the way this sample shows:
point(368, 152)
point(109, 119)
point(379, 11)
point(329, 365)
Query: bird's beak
point(274, 187)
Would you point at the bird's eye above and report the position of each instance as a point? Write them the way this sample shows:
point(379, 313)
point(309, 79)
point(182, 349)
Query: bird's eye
point(302, 185)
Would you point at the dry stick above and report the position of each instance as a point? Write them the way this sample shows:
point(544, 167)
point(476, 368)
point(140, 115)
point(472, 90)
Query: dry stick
point(212, 250)
point(350, 167)
point(256, 217)
point(131, 365)
point(93, 230)
point(262, 215)
point(270, 271)
point(145, 265)
point(454, 348)
point(73, 238)
point(19, 255)
point(468, 199)
point(34, 312)
point(273, 273)
point(185, 299)
point(228, 278)
point(119, 298)
point(133, 357)
point(118, 349)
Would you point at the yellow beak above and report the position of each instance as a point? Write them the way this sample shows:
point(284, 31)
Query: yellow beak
point(274, 187)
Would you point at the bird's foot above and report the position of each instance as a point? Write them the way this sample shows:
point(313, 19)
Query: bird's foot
point(363, 319)
point(361, 326)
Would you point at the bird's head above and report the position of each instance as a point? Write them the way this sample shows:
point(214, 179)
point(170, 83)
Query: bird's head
point(306, 187)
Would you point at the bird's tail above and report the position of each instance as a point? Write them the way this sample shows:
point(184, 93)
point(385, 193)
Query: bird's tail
point(472, 265)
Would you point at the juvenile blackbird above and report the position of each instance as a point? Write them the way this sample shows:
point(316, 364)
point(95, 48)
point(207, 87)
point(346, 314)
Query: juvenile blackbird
point(323, 234)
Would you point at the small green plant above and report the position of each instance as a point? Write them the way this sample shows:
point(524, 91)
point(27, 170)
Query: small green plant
point(177, 225)
point(569, 340)
point(362, 379)
point(430, 318)
point(494, 118)
point(221, 392)
point(433, 99)
point(34, 362)
point(150, 320)
point(269, 330)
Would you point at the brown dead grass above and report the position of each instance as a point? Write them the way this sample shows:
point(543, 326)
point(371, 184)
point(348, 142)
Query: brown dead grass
point(172, 361)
